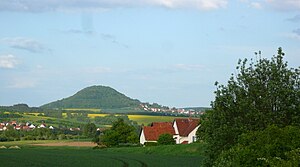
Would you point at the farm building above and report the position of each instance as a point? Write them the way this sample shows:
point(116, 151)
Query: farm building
point(152, 133)
point(183, 131)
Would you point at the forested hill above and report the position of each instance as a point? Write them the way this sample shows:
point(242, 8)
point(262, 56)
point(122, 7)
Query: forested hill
point(95, 97)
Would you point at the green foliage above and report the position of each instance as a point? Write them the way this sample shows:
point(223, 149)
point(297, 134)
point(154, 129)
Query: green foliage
point(262, 93)
point(120, 133)
point(147, 144)
point(95, 97)
point(19, 108)
point(166, 139)
point(109, 119)
point(270, 147)
point(89, 130)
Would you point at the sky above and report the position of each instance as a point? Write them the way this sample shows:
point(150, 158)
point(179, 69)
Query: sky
point(166, 51)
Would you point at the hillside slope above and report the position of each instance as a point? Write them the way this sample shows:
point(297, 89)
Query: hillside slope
point(95, 97)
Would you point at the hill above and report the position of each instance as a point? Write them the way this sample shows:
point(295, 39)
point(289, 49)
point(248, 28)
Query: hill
point(95, 97)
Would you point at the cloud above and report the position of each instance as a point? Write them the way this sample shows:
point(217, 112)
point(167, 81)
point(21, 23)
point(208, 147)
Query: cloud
point(8, 61)
point(253, 4)
point(295, 18)
point(100, 5)
point(27, 44)
point(284, 5)
point(98, 70)
point(189, 67)
point(21, 83)
point(297, 32)
point(113, 39)
point(77, 31)
point(256, 5)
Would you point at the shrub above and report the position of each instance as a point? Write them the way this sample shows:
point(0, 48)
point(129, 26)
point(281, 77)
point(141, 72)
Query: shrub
point(150, 144)
point(273, 146)
point(166, 139)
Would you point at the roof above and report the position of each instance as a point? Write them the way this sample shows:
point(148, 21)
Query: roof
point(156, 129)
point(186, 125)
point(185, 142)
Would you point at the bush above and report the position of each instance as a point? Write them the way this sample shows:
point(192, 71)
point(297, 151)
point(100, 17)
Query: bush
point(150, 144)
point(61, 137)
point(273, 146)
point(166, 139)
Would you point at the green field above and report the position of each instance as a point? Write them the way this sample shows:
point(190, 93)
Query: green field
point(185, 156)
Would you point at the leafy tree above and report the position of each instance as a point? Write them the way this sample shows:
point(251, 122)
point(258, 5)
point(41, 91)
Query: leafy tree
point(89, 130)
point(120, 133)
point(263, 93)
point(273, 146)
point(166, 139)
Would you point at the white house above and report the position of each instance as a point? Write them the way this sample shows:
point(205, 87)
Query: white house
point(32, 126)
point(42, 126)
point(152, 133)
point(185, 130)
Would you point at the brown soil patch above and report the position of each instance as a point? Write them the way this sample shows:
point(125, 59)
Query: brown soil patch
point(71, 144)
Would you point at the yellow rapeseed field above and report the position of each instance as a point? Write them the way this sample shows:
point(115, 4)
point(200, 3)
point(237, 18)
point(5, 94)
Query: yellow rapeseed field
point(96, 115)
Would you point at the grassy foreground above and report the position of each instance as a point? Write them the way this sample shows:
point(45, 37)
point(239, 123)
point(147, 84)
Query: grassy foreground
point(179, 155)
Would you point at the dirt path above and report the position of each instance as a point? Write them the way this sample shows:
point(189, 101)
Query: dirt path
point(72, 144)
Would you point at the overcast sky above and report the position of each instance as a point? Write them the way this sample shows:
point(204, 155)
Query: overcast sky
point(165, 51)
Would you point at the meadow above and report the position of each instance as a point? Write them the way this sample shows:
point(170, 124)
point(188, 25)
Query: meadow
point(187, 155)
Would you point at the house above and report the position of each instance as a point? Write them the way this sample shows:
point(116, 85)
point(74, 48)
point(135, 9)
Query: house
point(152, 133)
point(31, 126)
point(74, 129)
point(42, 126)
point(14, 123)
point(26, 127)
point(17, 127)
point(51, 127)
point(185, 130)
point(1, 127)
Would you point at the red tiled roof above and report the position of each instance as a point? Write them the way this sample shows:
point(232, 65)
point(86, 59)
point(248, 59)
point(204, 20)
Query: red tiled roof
point(186, 126)
point(156, 129)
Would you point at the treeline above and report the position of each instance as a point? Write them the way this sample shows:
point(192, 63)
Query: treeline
point(7, 116)
point(19, 108)
point(38, 134)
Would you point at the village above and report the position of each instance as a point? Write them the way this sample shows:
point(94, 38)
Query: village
point(29, 126)
point(21, 126)
point(170, 111)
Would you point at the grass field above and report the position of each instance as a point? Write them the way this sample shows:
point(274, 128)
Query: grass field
point(185, 156)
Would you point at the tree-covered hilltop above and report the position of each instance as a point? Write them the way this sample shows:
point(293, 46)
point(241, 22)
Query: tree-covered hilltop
point(95, 97)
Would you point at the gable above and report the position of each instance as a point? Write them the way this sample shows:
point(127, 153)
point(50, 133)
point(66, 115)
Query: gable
point(186, 126)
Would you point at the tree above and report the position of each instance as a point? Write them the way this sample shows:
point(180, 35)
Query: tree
point(89, 130)
point(263, 93)
point(166, 139)
point(120, 133)
point(272, 146)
